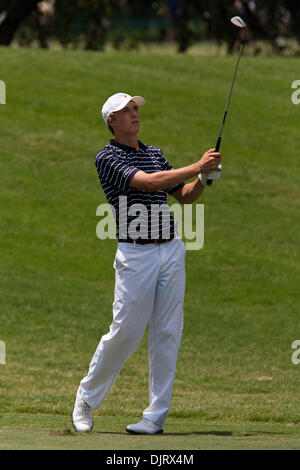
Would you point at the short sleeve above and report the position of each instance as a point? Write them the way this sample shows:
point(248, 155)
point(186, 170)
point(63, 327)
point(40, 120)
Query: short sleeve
point(113, 169)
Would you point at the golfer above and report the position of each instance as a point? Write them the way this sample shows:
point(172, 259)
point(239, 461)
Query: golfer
point(149, 263)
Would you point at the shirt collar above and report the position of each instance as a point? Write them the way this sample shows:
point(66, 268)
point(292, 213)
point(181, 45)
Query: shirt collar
point(126, 147)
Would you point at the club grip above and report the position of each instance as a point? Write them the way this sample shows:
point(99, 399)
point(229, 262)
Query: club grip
point(218, 144)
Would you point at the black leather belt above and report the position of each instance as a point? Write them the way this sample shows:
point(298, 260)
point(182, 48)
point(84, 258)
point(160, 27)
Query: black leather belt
point(147, 241)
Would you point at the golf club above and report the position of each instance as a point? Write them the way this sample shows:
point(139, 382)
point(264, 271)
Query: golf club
point(240, 23)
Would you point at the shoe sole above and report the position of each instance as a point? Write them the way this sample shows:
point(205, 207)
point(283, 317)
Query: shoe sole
point(130, 431)
point(75, 427)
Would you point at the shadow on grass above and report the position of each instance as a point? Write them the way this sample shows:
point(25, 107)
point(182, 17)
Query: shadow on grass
point(197, 433)
point(220, 433)
point(69, 432)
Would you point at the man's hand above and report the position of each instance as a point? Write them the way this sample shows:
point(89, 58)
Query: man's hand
point(210, 161)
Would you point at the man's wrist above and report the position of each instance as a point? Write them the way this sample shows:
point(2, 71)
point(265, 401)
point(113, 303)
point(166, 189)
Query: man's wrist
point(200, 169)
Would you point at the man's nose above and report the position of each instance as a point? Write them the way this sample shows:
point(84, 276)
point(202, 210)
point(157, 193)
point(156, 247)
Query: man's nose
point(134, 113)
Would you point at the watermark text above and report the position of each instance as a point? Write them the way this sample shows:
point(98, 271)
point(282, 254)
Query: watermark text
point(295, 97)
point(296, 353)
point(140, 221)
point(2, 92)
point(2, 352)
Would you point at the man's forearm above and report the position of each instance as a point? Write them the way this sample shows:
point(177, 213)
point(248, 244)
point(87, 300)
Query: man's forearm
point(190, 192)
point(167, 179)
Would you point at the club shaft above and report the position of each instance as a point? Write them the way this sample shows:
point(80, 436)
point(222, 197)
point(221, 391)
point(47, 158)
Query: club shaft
point(230, 90)
point(219, 140)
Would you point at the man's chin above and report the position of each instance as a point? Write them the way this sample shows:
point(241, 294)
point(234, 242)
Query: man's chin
point(136, 128)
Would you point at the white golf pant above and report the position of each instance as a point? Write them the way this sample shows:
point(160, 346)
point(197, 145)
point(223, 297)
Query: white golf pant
point(149, 288)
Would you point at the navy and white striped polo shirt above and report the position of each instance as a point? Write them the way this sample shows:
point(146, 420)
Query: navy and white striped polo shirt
point(136, 210)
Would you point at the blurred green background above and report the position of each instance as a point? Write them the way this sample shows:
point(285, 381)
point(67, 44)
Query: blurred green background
point(274, 25)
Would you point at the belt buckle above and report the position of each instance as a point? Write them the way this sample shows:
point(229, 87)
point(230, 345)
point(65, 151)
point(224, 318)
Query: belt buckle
point(156, 241)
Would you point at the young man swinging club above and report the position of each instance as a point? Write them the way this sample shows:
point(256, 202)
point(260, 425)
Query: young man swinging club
point(149, 270)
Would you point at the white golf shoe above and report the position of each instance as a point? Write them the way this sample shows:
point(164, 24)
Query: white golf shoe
point(145, 426)
point(82, 418)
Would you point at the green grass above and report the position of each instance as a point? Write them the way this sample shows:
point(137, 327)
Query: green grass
point(56, 277)
point(24, 431)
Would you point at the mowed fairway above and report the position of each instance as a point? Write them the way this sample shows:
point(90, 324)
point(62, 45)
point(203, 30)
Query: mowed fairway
point(57, 278)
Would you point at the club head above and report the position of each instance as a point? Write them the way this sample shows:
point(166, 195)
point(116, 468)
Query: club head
point(238, 21)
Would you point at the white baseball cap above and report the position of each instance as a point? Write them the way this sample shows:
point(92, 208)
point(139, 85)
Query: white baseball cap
point(117, 102)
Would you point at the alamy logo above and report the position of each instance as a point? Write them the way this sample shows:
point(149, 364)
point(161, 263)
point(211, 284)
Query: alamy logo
point(2, 352)
point(2, 92)
point(137, 220)
point(296, 95)
point(296, 353)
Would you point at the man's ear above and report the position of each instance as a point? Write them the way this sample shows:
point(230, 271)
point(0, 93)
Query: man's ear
point(110, 120)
